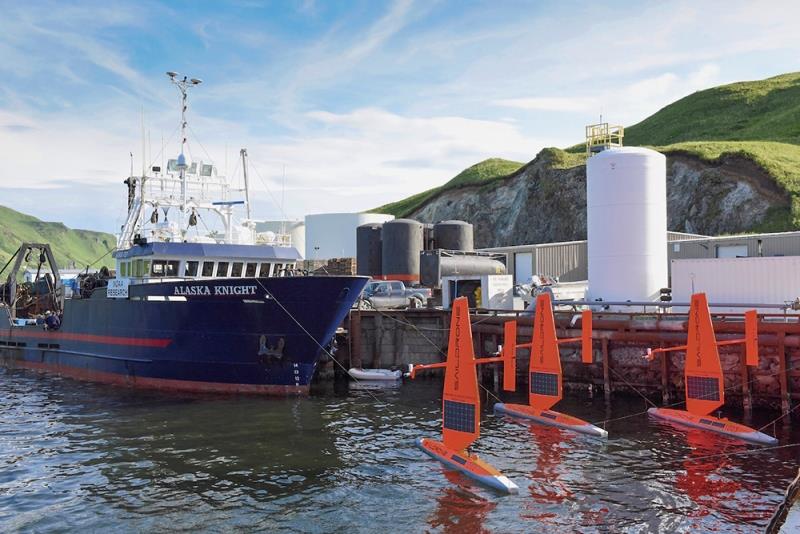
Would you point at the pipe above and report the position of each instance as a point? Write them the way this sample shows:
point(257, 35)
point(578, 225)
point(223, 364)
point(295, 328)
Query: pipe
point(657, 304)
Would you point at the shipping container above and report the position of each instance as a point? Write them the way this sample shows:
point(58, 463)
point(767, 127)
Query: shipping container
point(760, 280)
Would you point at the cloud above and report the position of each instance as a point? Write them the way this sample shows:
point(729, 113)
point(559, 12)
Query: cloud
point(549, 103)
point(627, 103)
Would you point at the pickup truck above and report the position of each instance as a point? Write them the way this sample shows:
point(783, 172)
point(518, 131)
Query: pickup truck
point(392, 294)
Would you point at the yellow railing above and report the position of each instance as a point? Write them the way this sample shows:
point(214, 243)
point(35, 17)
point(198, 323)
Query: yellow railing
point(602, 136)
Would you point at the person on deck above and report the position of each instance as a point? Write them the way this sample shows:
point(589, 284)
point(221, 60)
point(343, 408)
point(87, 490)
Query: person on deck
point(51, 321)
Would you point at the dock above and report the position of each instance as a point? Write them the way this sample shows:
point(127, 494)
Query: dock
point(395, 338)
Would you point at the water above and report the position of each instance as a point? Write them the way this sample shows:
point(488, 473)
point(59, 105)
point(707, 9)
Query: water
point(78, 456)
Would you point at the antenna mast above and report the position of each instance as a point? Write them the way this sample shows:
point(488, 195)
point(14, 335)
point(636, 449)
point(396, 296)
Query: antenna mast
point(183, 85)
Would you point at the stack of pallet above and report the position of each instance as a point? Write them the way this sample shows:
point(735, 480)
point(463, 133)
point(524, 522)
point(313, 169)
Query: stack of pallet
point(346, 266)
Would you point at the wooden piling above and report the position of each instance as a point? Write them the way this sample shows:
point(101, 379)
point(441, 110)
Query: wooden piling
point(665, 358)
point(606, 371)
point(747, 399)
point(783, 378)
point(355, 339)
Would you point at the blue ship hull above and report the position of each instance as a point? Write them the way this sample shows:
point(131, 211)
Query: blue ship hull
point(261, 336)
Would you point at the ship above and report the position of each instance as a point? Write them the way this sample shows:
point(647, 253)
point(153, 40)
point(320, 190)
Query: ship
point(197, 299)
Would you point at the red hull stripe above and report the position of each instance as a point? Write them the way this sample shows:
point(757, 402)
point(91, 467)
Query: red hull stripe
point(163, 384)
point(91, 338)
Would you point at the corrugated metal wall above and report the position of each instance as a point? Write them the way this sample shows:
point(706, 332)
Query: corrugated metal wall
point(569, 261)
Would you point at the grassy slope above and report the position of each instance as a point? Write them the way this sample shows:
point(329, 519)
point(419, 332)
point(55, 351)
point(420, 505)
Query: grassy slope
point(80, 246)
point(481, 173)
point(758, 120)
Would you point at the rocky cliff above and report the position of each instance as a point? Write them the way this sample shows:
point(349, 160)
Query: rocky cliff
point(545, 200)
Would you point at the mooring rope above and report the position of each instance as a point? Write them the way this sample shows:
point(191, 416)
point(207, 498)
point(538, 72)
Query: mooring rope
point(778, 419)
point(683, 401)
point(498, 399)
point(303, 328)
point(443, 353)
point(418, 328)
point(333, 358)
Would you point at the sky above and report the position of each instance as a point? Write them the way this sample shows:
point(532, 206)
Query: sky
point(343, 106)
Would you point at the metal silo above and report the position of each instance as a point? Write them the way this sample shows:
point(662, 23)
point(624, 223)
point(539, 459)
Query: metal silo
point(368, 249)
point(454, 235)
point(626, 201)
point(402, 243)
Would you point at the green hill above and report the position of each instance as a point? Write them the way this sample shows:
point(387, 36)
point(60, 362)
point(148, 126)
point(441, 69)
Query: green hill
point(756, 120)
point(481, 173)
point(82, 247)
point(763, 110)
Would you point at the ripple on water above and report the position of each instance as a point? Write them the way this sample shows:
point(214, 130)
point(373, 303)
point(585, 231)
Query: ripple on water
point(79, 456)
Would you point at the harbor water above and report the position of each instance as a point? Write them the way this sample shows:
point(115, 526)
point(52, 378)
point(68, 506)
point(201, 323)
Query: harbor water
point(79, 456)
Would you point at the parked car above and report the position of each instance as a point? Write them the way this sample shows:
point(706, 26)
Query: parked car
point(393, 294)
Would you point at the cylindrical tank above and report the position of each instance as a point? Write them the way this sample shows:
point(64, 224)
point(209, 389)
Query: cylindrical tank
point(368, 249)
point(454, 235)
point(434, 264)
point(402, 243)
point(626, 196)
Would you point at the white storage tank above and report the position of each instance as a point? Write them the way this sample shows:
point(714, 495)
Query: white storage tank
point(333, 235)
point(626, 197)
point(296, 230)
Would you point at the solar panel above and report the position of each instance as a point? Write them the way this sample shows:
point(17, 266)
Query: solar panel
point(712, 423)
point(702, 388)
point(459, 416)
point(459, 459)
point(544, 384)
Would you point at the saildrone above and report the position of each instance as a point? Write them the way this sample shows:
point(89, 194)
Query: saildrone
point(703, 380)
point(545, 369)
point(461, 405)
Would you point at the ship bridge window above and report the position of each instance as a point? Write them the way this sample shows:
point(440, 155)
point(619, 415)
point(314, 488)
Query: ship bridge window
point(158, 268)
point(208, 269)
point(236, 269)
point(205, 170)
point(250, 271)
point(123, 269)
point(222, 269)
point(279, 269)
point(191, 268)
point(265, 270)
point(164, 268)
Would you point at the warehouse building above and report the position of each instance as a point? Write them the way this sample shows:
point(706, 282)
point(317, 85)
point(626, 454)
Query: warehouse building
point(569, 260)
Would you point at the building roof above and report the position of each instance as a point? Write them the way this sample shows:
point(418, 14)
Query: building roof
point(210, 250)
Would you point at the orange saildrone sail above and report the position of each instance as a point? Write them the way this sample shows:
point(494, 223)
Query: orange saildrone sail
point(545, 369)
point(461, 405)
point(703, 379)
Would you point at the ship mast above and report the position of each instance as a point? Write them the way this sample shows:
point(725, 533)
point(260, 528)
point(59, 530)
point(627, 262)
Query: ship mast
point(183, 85)
point(243, 153)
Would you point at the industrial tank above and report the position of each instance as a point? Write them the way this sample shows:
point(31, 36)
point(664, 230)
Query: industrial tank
point(402, 243)
point(626, 195)
point(368, 249)
point(435, 264)
point(454, 235)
